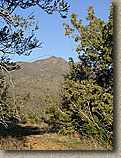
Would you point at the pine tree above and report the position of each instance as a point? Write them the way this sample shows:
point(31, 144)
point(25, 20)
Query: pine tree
point(87, 101)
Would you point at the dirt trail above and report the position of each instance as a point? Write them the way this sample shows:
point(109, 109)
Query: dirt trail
point(40, 143)
point(34, 138)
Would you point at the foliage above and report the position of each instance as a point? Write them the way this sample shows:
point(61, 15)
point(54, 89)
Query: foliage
point(30, 111)
point(87, 101)
point(7, 109)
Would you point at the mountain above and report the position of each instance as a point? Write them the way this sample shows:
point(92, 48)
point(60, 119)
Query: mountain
point(40, 75)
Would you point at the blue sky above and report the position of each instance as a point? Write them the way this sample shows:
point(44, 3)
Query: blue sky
point(52, 32)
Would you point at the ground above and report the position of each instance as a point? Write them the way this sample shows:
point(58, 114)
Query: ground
point(34, 137)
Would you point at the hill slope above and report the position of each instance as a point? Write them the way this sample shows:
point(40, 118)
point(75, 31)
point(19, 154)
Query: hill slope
point(34, 77)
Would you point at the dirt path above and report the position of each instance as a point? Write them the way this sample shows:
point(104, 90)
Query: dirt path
point(40, 138)
point(31, 137)
point(40, 143)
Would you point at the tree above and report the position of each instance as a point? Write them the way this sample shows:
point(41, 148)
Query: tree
point(87, 101)
point(14, 39)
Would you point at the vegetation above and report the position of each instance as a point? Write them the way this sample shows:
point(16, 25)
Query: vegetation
point(86, 106)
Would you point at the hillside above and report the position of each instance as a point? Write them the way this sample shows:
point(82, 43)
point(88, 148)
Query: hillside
point(40, 75)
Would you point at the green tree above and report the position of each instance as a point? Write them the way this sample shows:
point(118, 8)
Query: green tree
point(87, 101)
point(14, 39)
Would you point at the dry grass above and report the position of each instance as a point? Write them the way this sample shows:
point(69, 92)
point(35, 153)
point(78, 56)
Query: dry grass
point(75, 143)
point(10, 143)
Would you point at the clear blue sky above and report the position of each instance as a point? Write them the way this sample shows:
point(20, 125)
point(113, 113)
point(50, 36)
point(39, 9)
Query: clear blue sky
point(52, 32)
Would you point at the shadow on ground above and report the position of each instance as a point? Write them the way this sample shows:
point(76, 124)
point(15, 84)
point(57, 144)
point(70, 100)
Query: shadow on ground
point(17, 131)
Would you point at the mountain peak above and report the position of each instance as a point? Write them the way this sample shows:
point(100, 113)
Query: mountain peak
point(46, 59)
point(53, 57)
point(57, 58)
